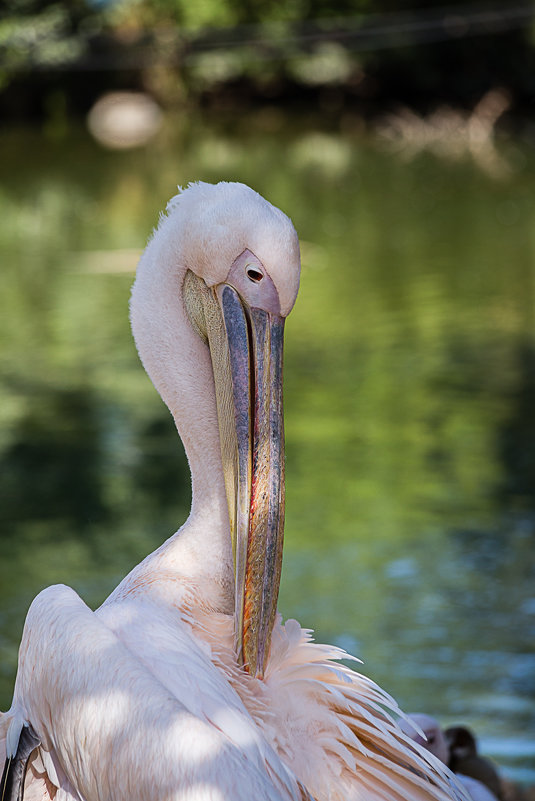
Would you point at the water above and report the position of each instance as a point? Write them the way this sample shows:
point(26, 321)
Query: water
point(409, 391)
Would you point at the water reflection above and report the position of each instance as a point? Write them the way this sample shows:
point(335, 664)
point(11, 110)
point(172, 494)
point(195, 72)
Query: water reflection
point(517, 439)
point(52, 466)
point(410, 384)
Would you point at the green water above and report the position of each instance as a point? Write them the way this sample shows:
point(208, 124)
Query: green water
point(409, 392)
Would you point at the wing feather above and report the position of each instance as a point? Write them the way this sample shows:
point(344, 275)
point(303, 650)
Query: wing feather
point(337, 729)
point(117, 729)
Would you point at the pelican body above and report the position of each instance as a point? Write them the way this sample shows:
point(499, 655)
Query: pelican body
point(185, 685)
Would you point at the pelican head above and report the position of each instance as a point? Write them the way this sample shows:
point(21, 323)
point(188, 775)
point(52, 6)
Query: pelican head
point(228, 267)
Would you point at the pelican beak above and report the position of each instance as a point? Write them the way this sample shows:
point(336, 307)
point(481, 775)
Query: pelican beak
point(255, 487)
point(246, 346)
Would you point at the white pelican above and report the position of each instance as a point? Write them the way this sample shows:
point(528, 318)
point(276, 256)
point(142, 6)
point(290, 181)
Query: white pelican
point(185, 685)
point(434, 739)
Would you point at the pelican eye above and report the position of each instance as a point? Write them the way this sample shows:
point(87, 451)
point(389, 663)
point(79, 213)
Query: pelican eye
point(253, 274)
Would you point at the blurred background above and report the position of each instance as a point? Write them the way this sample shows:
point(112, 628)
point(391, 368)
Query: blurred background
point(400, 137)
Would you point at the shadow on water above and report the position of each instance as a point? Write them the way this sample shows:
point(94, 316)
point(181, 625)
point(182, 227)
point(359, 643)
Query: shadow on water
point(56, 465)
point(155, 475)
point(517, 441)
point(52, 469)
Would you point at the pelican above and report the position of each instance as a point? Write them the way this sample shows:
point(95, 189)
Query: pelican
point(185, 685)
point(435, 740)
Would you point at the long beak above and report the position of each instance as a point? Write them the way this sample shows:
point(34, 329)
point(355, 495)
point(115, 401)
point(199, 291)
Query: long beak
point(246, 350)
point(256, 507)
